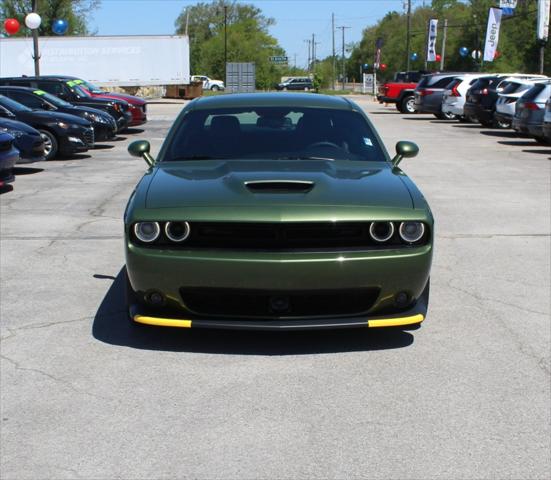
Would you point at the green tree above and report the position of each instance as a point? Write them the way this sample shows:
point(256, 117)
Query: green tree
point(76, 12)
point(247, 37)
point(518, 46)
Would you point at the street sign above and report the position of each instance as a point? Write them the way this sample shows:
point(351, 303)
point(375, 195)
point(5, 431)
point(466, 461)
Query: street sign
point(279, 60)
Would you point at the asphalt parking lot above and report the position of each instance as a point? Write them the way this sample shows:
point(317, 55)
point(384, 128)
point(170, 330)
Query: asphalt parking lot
point(467, 396)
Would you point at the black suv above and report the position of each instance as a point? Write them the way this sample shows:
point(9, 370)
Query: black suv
point(480, 102)
point(71, 92)
point(105, 126)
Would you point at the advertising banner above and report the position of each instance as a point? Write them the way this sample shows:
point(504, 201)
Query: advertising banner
point(492, 34)
point(543, 19)
point(508, 6)
point(431, 40)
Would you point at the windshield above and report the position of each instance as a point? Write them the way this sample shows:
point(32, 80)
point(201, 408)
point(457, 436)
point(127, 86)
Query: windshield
point(280, 133)
point(12, 105)
point(91, 88)
point(56, 101)
point(80, 92)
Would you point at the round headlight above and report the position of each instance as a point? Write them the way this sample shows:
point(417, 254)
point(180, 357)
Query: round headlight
point(381, 231)
point(147, 231)
point(177, 231)
point(411, 231)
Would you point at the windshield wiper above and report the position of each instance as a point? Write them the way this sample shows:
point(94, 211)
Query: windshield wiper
point(197, 157)
point(303, 157)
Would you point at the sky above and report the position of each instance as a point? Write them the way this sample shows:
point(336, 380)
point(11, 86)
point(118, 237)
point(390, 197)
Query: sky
point(296, 20)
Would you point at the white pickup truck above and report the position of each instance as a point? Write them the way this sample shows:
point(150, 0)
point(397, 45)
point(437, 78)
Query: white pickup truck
point(208, 83)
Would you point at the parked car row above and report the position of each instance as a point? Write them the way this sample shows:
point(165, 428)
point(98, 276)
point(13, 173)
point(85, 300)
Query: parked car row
point(45, 117)
point(504, 100)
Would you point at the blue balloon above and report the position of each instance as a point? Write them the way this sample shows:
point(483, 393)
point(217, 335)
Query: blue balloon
point(60, 26)
point(414, 56)
point(463, 51)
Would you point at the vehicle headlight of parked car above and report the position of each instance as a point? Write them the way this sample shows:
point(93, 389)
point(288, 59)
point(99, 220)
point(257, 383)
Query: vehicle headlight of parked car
point(95, 118)
point(13, 133)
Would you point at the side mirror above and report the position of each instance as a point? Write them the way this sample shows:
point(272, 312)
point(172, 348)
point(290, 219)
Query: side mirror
point(404, 149)
point(140, 148)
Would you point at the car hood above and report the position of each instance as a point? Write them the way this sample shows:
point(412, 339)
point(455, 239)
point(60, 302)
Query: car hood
point(120, 96)
point(16, 125)
point(297, 183)
point(46, 116)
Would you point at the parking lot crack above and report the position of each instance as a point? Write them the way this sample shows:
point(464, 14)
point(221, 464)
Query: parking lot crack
point(60, 381)
point(541, 362)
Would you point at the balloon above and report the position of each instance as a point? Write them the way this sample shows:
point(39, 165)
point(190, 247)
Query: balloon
point(11, 25)
point(463, 51)
point(414, 56)
point(33, 20)
point(383, 66)
point(60, 26)
point(497, 54)
point(476, 54)
point(438, 57)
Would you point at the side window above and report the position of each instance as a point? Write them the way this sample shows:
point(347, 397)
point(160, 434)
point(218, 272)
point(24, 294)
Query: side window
point(442, 83)
point(50, 87)
point(26, 99)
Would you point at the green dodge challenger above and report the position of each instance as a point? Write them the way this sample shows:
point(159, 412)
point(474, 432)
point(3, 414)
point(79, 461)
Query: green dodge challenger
point(276, 211)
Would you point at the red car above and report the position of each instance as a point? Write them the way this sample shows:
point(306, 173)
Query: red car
point(137, 105)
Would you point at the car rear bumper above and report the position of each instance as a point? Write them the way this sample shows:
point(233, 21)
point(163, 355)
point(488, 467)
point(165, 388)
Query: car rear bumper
point(383, 99)
point(503, 117)
point(478, 112)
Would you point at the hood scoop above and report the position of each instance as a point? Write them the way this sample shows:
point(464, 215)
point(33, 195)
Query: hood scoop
point(279, 186)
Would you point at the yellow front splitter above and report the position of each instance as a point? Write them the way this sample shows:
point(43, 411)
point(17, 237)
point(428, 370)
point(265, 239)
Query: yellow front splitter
point(291, 324)
point(162, 322)
point(395, 322)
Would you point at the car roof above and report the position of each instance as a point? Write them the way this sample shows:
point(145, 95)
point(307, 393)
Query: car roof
point(303, 100)
point(18, 88)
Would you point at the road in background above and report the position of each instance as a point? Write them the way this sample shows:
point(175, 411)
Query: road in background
point(84, 395)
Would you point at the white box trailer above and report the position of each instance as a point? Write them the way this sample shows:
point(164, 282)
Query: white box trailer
point(125, 61)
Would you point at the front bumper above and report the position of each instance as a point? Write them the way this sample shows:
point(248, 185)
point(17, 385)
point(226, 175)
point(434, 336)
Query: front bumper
point(386, 271)
point(139, 116)
point(76, 140)
point(104, 131)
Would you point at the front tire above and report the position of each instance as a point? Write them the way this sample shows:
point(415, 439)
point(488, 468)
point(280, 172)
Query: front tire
point(51, 145)
point(214, 88)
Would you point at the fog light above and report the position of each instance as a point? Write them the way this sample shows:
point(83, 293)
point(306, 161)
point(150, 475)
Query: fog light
point(401, 299)
point(76, 140)
point(156, 298)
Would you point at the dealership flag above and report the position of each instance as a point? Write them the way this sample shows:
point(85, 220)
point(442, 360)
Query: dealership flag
point(492, 34)
point(543, 19)
point(508, 6)
point(431, 40)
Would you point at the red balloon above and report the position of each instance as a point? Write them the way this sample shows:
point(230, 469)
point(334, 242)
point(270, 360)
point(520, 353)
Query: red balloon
point(438, 57)
point(382, 67)
point(497, 54)
point(11, 25)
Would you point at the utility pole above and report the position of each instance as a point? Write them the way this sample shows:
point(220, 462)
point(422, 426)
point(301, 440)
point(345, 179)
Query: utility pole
point(542, 56)
point(308, 64)
point(343, 62)
point(225, 44)
point(444, 34)
point(427, 45)
point(408, 44)
point(36, 55)
point(334, 57)
point(313, 52)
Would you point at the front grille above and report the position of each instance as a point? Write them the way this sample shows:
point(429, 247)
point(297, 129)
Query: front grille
point(38, 148)
point(284, 236)
point(89, 137)
point(278, 304)
point(6, 145)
